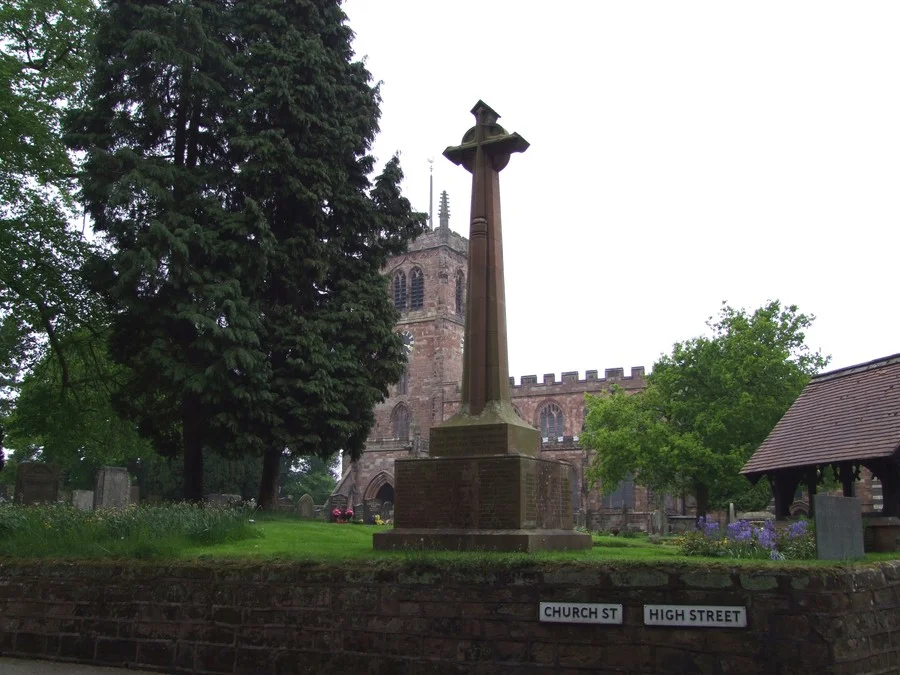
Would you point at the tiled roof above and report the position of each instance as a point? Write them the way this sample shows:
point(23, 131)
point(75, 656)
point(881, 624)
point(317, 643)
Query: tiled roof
point(845, 415)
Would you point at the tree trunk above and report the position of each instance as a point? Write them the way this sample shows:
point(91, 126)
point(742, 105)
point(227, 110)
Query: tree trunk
point(701, 492)
point(193, 455)
point(271, 477)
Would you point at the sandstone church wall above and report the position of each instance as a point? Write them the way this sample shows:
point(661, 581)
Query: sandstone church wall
point(289, 619)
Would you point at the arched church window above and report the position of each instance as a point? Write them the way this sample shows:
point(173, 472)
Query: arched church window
point(400, 290)
point(622, 496)
point(416, 289)
point(460, 292)
point(403, 384)
point(400, 422)
point(551, 421)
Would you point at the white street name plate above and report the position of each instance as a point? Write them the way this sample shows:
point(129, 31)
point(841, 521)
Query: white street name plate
point(697, 616)
point(580, 612)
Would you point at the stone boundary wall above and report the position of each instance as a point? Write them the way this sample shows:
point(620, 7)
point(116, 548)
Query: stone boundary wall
point(397, 617)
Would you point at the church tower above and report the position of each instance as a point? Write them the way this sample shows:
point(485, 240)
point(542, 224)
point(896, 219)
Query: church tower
point(427, 285)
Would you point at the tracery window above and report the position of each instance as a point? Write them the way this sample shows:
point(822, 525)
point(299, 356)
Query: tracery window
point(551, 417)
point(400, 422)
point(400, 290)
point(416, 289)
point(622, 496)
point(460, 292)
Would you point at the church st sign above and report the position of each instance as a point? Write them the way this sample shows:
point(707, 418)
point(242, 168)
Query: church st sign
point(580, 612)
point(695, 616)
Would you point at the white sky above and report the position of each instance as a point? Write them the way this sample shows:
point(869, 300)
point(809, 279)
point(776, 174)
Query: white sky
point(682, 154)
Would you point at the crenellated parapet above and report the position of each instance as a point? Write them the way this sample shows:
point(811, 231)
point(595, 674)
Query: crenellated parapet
point(440, 237)
point(591, 379)
point(568, 383)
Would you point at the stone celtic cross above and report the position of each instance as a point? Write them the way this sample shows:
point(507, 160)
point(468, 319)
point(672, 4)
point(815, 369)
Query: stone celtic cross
point(485, 151)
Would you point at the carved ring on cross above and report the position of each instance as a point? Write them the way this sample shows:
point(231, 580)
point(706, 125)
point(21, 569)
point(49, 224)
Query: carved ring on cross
point(492, 130)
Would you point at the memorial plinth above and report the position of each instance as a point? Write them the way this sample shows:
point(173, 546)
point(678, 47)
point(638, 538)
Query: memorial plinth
point(484, 486)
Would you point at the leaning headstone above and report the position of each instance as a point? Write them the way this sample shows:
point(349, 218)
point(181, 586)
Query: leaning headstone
point(83, 500)
point(387, 511)
point(36, 483)
point(112, 488)
point(134, 495)
point(839, 528)
point(306, 508)
point(659, 522)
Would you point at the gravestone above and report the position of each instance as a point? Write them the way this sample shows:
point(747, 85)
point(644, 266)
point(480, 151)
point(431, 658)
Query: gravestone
point(306, 508)
point(134, 495)
point(484, 485)
point(659, 522)
point(338, 502)
point(839, 527)
point(222, 500)
point(83, 500)
point(112, 488)
point(387, 511)
point(756, 516)
point(36, 483)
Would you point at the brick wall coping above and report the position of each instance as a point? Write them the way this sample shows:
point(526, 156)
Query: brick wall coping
point(388, 569)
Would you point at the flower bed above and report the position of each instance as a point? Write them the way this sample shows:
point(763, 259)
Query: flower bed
point(742, 539)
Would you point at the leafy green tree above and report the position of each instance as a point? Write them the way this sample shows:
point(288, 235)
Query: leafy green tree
point(43, 50)
point(187, 251)
point(75, 427)
point(308, 119)
point(307, 475)
point(707, 406)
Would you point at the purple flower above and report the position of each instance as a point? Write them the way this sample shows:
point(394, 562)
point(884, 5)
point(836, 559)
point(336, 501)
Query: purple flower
point(740, 531)
point(797, 529)
point(765, 535)
point(710, 528)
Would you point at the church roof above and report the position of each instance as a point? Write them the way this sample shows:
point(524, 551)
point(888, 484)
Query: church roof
point(846, 415)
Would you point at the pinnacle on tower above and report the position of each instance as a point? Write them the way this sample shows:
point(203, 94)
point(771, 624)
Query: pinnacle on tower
point(444, 211)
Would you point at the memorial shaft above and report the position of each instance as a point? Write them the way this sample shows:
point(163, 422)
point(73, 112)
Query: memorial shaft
point(484, 152)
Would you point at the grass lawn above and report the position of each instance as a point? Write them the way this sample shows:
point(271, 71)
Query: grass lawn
point(288, 539)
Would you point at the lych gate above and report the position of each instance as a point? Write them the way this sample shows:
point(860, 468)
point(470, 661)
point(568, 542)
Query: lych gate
point(845, 419)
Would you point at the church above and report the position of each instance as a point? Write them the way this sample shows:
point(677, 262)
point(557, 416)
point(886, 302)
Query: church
point(428, 287)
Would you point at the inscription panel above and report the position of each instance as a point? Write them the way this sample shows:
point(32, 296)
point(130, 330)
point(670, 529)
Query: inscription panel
point(531, 502)
point(469, 440)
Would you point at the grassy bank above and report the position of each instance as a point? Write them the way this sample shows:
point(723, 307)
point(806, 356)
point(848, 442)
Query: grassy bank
point(184, 532)
point(60, 531)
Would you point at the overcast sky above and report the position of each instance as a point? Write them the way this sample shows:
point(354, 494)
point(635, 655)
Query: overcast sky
point(682, 154)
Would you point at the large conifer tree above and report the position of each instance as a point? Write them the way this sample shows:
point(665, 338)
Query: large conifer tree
point(228, 166)
point(159, 183)
point(309, 119)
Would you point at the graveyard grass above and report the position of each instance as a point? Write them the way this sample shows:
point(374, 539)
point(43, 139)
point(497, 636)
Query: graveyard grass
point(285, 538)
point(188, 533)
